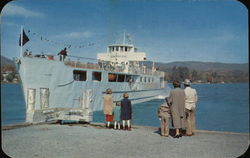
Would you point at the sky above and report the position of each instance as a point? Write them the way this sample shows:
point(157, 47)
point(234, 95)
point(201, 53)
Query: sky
point(167, 30)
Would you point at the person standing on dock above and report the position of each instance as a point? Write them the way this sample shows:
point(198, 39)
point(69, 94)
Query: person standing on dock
point(126, 112)
point(117, 115)
point(164, 116)
point(108, 107)
point(190, 104)
point(63, 54)
point(177, 106)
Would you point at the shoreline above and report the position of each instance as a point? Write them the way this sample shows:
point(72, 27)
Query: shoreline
point(102, 125)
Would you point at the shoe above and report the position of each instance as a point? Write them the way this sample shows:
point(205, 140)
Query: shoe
point(129, 128)
point(180, 135)
point(176, 136)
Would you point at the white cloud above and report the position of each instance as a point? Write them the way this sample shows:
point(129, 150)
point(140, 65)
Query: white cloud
point(85, 34)
point(75, 35)
point(14, 10)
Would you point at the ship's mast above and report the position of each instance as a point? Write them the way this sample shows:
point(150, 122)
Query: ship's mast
point(21, 40)
point(124, 37)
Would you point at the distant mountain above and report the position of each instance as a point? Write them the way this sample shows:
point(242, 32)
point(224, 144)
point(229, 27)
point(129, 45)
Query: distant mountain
point(6, 61)
point(200, 66)
point(203, 71)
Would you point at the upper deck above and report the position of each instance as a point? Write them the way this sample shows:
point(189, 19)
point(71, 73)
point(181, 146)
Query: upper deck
point(132, 67)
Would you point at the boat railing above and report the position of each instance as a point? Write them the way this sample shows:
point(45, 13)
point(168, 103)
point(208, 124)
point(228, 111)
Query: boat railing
point(91, 63)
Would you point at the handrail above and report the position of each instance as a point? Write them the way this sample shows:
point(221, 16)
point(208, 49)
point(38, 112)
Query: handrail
point(100, 65)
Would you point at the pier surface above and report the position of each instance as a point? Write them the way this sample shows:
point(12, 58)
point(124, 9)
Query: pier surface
point(94, 141)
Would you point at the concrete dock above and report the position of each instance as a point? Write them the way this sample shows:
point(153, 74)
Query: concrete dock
point(94, 141)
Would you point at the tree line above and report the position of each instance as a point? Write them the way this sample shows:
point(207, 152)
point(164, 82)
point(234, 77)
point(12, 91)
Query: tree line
point(181, 73)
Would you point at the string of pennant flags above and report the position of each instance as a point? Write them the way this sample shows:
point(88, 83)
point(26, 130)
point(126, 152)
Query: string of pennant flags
point(49, 41)
point(45, 39)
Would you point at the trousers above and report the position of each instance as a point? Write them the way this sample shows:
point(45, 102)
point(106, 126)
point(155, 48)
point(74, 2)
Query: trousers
point(165, 126)
point(190, 115)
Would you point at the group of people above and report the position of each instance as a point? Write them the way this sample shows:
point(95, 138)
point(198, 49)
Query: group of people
point(180, 108)
point(121, 111)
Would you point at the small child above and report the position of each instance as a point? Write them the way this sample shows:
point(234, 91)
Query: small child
point(117, 113)
point(164, 116)
point(126, 112)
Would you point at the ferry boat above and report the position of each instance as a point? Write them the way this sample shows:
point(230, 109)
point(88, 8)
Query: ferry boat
point(72, 89)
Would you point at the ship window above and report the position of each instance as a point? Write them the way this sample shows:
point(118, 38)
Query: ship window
point(121, 48)
point(129, 78)
point(96, 76)
point(113, 49)
point(121, 78)
point(116, 48)
point(80, 75)
point(149, 79)
point(112, 77)
point(145, 79)
point(140, 79)
point(126, 49)
point(152, 79)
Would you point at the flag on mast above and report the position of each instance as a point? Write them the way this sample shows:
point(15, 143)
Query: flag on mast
point(24, 37)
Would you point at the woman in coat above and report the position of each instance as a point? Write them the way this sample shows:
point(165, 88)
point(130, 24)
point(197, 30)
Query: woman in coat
point(126, 111)
point(177, 106)
point(108, 107)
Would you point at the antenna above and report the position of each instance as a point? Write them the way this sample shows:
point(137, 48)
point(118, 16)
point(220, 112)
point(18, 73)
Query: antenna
point(153, 66)
point(124, 37)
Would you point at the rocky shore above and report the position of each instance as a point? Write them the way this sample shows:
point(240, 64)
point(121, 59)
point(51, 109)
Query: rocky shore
point(94, 141)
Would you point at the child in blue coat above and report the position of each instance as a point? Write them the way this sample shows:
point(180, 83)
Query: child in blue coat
point(126, 111)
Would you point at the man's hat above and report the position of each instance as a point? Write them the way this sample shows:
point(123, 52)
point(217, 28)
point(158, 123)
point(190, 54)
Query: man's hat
point(187, 82)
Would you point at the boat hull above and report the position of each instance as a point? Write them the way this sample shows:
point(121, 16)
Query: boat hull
point(53, 92)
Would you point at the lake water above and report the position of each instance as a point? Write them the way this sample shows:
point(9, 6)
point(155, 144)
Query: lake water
point(221, 107)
